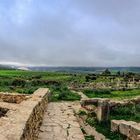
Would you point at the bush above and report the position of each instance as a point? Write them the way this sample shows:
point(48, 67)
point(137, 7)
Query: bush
point(82, 113)
point(27, 91)
point(44, 82)
point(102, 91)
point(37, 82)
point(91, 121)
point(37, 77)
point(123, 110)
point(19, 82)
point(63, 93)
point(90, 78)
point(138, 107)
point(89, 137)
point(94, 91)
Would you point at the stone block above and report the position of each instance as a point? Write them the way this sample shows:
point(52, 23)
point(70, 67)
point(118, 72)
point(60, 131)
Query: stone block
point(103, 110)
point(93, 101)
point(125, 127)
point(138, 137)
point(115, 125)
point(134, 131)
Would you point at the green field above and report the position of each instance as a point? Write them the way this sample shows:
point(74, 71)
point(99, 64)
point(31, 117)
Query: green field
point(112, 94)
point(26, 82)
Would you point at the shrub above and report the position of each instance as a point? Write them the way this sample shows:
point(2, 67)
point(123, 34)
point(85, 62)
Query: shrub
point(44, 82)
point(82, 112)
point(95, 91)
point(27, 91)
point(91, 121)
point(123, 110)
point(138, 107)
point(37, 77)
point(37, 82)
point(90, 78)
point(63, 93)
point(102, 91)
point(89, 137)
point(19, 82)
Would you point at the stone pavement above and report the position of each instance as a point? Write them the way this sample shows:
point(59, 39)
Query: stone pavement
point(60, 123)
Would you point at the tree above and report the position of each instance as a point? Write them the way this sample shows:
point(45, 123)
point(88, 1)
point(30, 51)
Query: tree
point(118, 73)
point(106, 72)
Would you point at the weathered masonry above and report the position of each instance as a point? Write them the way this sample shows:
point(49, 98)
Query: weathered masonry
point(21, 115)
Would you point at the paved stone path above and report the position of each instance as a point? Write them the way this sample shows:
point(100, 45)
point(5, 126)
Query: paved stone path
point(60, 123)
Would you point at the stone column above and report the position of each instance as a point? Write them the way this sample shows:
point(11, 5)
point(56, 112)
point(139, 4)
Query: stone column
point(103, 110)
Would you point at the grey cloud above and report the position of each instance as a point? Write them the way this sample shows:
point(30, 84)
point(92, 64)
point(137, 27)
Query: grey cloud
point(71, 33)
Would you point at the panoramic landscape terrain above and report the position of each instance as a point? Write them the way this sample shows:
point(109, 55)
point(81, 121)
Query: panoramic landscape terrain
point(69, 70)
point(119, 89)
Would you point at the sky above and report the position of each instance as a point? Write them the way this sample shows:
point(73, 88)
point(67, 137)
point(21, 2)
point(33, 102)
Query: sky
point(70, 32)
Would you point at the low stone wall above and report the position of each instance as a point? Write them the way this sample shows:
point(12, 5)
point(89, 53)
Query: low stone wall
point(12, 98)
point(92, 101)
point(112, 103)
point(129, 129)
point(104, 106)
point(22, 121)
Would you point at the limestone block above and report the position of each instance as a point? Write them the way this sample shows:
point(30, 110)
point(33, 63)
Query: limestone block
point(103, 110)
point(93, 101)
point(125, 127)
point(134, 131)
point(138, 137)
point(115, 125)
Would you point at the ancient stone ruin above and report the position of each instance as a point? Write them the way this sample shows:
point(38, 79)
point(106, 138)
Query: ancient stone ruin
point(30, 117)
point(21, 115)
point(130, 129)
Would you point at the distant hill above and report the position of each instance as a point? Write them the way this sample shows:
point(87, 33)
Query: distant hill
point(71, 69)
point(6, 67)
point(85, 69)
point(12, 67)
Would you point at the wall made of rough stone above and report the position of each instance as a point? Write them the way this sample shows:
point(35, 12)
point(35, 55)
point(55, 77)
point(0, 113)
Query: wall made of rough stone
point(129, 129)
point(12, 98)
point(23, 120)
point(112, 103)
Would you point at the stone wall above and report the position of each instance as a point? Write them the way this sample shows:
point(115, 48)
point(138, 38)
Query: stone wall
point(105, 106)
point(129, 129)
point(13, 98)
point(112, 103)
point(22, 121)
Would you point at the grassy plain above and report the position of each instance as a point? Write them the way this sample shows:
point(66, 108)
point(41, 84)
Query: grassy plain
point(128, 94)
point(28, 81)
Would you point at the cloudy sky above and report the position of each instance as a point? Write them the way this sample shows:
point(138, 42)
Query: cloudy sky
point(70, 32)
